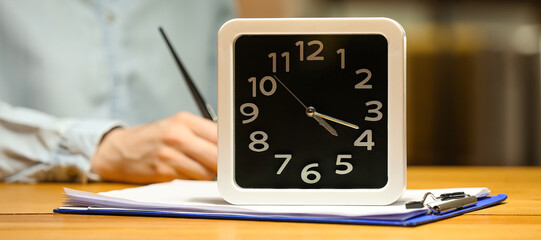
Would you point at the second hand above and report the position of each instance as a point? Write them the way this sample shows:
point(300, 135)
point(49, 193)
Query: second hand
point(305, 107)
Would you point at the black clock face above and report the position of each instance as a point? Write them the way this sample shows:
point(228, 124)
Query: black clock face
point(311, 111)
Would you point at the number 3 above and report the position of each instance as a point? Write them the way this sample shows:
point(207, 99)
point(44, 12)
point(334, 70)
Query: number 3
point(376, 110)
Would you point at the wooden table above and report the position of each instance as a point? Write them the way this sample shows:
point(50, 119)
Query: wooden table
point(26, 213)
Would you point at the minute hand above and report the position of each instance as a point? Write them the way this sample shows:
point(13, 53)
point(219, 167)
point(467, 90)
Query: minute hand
point(336, 120)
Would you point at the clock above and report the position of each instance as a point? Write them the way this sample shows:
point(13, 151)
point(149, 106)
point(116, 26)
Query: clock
point(311, 111)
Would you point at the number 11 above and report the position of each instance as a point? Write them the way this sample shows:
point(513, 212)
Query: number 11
point(285, 55)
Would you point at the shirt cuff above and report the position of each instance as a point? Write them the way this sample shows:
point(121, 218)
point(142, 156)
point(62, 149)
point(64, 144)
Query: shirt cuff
point(80, 140)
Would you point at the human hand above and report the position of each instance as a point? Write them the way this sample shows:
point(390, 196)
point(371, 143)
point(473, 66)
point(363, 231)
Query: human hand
point(181, 146)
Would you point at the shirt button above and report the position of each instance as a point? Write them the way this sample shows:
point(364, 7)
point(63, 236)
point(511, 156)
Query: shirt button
point(109, 17)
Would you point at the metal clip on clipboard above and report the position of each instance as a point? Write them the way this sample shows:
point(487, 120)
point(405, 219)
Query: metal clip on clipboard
point(445, 202)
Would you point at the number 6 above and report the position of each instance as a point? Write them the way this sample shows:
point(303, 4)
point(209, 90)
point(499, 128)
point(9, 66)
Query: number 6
point(306, 172)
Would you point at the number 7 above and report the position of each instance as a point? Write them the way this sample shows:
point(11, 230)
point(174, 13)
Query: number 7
point(287, 157)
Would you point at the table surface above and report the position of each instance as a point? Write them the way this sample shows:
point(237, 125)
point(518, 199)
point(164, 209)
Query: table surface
point(26, 213)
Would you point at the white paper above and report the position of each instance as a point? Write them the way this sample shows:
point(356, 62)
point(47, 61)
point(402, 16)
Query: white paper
point(203, 197)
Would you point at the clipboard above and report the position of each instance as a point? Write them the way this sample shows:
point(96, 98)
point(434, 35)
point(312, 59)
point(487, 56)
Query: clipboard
point(415, 221)
point(127, 203)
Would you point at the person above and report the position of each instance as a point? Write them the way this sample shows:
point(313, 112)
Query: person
point(90, 92)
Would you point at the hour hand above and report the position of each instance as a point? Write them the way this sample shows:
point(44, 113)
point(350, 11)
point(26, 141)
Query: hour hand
point(324, 123)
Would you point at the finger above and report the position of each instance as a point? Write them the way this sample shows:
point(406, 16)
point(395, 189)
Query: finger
point(199, 149)
point(184, 165)
point(201, 127)
point(155, 173)
point(162, 173)
point(183, 137)
point(165, 172)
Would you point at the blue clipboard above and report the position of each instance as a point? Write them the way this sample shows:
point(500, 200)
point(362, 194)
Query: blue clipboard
point(414, 221)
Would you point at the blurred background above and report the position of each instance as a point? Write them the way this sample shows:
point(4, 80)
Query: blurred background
point(473, 73)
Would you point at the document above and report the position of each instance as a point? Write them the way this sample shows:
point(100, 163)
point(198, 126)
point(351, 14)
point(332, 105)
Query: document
point(201, 198)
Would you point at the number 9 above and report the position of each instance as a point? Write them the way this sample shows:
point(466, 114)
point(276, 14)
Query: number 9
point(253, 114)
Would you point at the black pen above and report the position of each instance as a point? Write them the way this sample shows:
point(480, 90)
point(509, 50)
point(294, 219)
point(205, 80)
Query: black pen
point(204, 107)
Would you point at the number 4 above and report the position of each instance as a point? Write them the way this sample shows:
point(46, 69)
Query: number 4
point(367, 137)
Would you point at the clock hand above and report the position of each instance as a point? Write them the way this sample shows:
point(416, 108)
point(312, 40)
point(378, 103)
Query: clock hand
point(292, 94)
point(311, 112)
point(317, 118)
point(325, 125)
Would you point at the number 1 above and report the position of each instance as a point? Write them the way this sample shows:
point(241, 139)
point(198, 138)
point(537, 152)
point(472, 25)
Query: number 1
point(300, 44)
point(342, 53)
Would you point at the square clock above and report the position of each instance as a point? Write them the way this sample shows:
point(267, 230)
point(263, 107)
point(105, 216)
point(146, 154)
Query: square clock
point(311, 111)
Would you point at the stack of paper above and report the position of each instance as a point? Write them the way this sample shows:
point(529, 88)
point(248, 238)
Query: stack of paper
point(201, 199)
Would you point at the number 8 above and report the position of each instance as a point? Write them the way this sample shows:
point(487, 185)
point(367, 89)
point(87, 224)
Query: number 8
point(256, 141)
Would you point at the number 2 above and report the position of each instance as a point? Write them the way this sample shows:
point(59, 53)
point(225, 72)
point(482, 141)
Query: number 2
point(362, 84)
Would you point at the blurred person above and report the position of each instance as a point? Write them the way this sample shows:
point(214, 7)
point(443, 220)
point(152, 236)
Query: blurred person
point(75, 76)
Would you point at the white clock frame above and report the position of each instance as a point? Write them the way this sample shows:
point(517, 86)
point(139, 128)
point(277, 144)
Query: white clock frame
point(395, 35)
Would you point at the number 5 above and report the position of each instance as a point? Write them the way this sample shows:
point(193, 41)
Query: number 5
point(349, 166)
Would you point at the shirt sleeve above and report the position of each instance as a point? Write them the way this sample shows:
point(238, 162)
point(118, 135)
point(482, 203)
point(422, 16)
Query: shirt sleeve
point(36, 147)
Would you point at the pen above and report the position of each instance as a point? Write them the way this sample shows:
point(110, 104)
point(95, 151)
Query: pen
point(204, 107)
